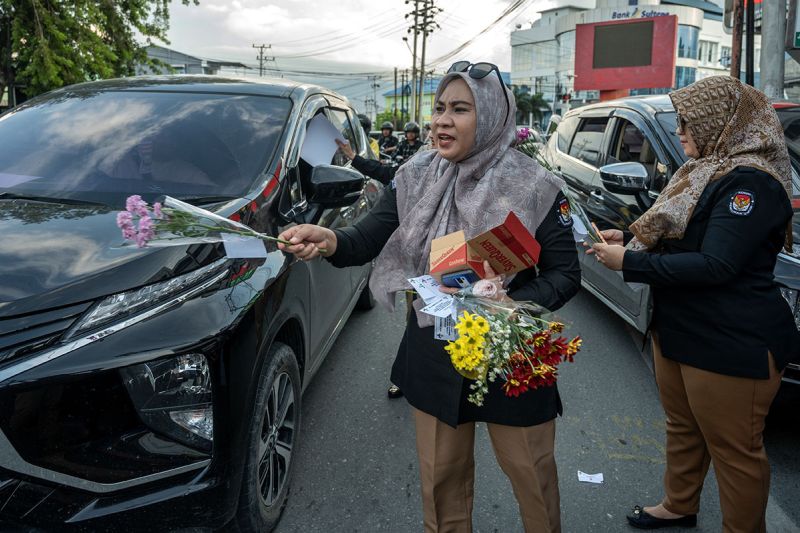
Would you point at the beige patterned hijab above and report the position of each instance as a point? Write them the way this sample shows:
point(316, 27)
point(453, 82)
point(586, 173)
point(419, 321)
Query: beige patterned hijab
point(733, 125)
point(436, 196)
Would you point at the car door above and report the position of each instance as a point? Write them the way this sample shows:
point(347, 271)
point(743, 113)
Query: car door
point(330, 289)
point(630, 139)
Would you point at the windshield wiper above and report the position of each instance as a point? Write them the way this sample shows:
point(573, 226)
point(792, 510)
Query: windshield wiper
point(49, 199)
point(200, 200)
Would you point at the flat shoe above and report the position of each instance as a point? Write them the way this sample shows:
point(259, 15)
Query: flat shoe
point(394, 392)
point(642, 520)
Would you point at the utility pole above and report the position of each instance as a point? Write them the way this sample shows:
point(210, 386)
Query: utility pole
point(428, 24)
point(773, 16)
point(403, 107)
point(736, 43)
point(749, 74)
point(375, 86)
point(415, 29)
point(394, 100)
point(261, 57)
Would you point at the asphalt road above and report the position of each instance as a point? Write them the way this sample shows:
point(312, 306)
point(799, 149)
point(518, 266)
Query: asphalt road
point(356, 465)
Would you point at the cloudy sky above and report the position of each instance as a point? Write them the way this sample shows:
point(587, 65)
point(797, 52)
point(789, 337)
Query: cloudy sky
point(341, 35)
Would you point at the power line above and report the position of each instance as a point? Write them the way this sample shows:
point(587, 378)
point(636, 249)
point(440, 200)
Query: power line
point(261, 58)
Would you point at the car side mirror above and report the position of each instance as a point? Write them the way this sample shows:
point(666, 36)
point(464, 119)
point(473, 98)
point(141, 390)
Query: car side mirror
point(625, 178)
point(333, 186)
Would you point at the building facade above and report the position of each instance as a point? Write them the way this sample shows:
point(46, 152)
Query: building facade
point(543, 56)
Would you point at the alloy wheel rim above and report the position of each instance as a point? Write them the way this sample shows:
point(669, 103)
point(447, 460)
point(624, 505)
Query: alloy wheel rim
point(276, 440)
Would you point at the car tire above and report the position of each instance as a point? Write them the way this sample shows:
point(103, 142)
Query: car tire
point(271, 442)
point(366, 300)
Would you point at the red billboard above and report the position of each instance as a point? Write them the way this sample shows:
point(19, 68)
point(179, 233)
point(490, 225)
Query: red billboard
point(627, 54)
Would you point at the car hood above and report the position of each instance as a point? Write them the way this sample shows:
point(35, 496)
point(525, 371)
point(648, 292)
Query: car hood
point(52, 255)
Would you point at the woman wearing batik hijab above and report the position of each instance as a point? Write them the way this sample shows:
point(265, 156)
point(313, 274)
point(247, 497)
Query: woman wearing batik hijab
point(470, 182)
point(722, 333)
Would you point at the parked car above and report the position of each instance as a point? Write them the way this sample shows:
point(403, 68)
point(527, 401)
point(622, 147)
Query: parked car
point(640, 131)
point(160, 388)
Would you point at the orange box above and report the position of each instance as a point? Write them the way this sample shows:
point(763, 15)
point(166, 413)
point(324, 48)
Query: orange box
point(509, 248)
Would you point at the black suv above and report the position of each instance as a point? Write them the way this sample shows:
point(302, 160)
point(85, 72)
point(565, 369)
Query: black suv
point(160, 388)
point(616, 157)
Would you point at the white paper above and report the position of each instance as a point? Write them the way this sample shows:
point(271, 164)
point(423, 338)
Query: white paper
point(444, 329)
point(443, 307)
point(590, 478)
point(427, 287)
point(241, 247)
point(579, 230)
point(320, 142)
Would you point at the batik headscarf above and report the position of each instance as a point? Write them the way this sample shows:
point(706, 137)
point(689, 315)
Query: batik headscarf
point(732, 125)
point(436, 197)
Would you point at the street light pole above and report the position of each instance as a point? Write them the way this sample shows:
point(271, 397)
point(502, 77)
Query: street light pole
point(773, 16)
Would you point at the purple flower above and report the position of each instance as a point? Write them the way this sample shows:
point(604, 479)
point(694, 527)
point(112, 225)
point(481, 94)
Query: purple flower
point(146, 231)
point(523, 134)
point(124, 220)
point(135, 204)
point(157, 211)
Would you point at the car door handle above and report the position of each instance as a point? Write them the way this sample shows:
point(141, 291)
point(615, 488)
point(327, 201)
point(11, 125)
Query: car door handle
point(597, 195)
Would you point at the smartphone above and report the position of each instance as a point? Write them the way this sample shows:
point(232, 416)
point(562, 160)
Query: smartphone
point(460, 279)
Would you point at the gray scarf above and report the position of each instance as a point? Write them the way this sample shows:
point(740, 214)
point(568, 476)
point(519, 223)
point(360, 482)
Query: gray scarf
point(436, 197)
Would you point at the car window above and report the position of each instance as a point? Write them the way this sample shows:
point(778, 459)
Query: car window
point(588, 140)
point(565, 131)
point(359, 133)
point(104, 146)
point(632, 145)
point(342, 123)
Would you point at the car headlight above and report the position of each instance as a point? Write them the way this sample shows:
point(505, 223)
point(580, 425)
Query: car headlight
point(173, 397)
point(129, 303)
point(791, 296)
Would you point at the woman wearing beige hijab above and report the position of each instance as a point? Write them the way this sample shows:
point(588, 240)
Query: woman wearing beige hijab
point(722, 334)
point(470, 182)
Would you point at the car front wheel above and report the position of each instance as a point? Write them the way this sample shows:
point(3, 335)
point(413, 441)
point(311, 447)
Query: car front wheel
point(273, 437)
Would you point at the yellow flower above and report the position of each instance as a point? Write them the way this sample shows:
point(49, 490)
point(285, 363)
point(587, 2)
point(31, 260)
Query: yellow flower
point(482, 325)
point(556, 327)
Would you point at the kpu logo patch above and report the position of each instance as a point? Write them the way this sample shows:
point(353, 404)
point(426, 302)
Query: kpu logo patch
point(742, 203)
point(564, 214)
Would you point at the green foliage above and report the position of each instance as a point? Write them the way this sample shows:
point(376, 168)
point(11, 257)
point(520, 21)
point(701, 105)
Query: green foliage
point(528, 104)
point(53, 43)
point(386, 116)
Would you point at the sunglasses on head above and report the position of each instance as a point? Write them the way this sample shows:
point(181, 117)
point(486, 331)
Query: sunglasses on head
point(478, 71)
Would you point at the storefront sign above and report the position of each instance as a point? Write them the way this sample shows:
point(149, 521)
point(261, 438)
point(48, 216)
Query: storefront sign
point(638, 13)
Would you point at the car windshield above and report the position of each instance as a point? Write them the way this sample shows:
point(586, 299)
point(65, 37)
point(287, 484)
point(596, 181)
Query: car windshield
point(667, 121)
point(104, 146)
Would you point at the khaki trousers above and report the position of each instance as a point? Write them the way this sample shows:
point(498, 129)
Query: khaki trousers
point(447, 473)
point(716, 418)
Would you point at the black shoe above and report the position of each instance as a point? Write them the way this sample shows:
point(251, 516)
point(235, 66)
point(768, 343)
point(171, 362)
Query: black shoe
point(394, 392)
point(641, 520)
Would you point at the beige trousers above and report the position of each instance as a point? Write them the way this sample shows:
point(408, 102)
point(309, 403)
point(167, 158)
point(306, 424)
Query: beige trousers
point(716, 418)
point(447, 473)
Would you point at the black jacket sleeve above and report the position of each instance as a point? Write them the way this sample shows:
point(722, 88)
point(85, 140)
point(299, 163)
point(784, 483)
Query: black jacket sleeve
point(362, 242)
point(559, 276)
point(734, 232)
point(374, 169)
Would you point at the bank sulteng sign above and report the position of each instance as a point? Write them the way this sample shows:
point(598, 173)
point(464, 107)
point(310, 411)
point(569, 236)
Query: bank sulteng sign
point(631, 53)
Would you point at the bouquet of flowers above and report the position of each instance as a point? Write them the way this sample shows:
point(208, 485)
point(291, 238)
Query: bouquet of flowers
point(527, 144)
point(173, 222)
point(507, 340)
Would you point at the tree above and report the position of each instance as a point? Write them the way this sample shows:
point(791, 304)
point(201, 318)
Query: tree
point(529, 104)
point(538, 106)
point(46, 44)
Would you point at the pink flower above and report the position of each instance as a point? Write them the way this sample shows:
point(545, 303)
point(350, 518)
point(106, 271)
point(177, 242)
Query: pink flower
point(157, 211)
point(484, 288)
point(523, 134)
point(135, 204)
point(146, 231)
point(124, 220)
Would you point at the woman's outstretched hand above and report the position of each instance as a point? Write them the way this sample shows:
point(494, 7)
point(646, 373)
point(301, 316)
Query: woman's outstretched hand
point(308, 241)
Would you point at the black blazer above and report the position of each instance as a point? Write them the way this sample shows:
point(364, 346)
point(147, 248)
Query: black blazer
point(716, 304)
point(422, 368)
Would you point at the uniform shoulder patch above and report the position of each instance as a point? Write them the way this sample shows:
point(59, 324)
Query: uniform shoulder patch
point(742, 203)
point(564, 213)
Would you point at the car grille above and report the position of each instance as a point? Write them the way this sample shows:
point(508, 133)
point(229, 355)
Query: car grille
point(23, 335)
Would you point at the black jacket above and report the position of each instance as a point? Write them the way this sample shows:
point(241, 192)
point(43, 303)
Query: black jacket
point(375, 169)
point(716, 304)
point(422, 368)
point(385, 142)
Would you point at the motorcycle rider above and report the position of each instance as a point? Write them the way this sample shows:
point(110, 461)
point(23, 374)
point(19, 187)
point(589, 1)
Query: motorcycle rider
point(366, 123)
point(387, 142)
point(410, 144)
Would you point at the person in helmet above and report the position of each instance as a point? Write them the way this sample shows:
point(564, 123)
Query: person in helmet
point(366, 123)
point(387, 142)
point(410, 145)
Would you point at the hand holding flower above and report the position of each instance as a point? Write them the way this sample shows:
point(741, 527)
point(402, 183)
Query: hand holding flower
point(307, 241)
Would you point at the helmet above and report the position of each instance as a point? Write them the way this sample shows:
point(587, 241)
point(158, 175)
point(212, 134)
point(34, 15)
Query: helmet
point(387, 126)
point(412, 126)
point(366, 123)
